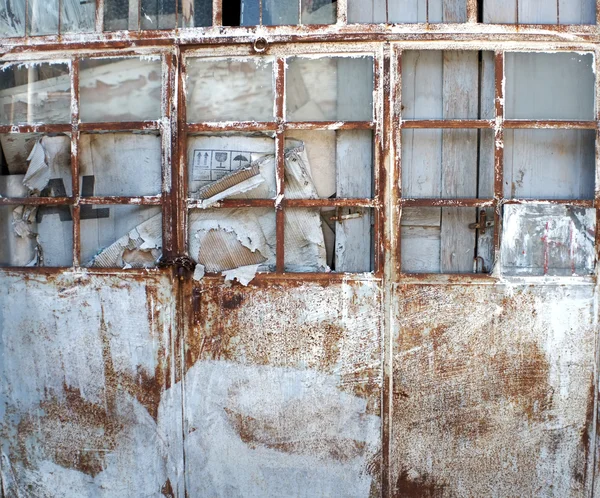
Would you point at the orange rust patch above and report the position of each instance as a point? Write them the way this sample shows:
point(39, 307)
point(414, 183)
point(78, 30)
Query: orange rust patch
point(418, 487)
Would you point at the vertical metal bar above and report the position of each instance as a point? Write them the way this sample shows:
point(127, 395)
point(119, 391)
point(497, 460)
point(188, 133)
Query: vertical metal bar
point(179, 181)
point(498, 150)
point(472, 14)
point(342, 12)
point(598, 12)
point(300, 12)
point(99, 16)
point(381, 113)
point(217, 12)
point(280, 158)
point(59, 16)
point(394, 210)
point(169, 150)
point(27, 17)
point(260, 12)
point(427, 11)
point(557, 11)
point(75, 140)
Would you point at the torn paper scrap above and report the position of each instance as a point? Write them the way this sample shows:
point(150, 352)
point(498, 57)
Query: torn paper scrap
point(199, 272)
point(140, 248)
point(236, 182)
point(49, 159)
point(16, 148)
point(244, 275)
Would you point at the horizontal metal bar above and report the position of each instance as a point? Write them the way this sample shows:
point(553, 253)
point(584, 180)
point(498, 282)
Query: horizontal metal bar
point(232, 203)
point(36, 128)
point(141, 201)
point(329, 125)
point(447, 123)
point(120, 126)
point(231, 126)
point(585, 203)
point(301, 278)
point(36, 201)
point(368, 203)
point(550, 124)
point(448, 202)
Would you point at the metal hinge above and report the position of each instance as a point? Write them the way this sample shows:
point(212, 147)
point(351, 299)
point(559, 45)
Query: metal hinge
point(181, 263)
point(482, 224)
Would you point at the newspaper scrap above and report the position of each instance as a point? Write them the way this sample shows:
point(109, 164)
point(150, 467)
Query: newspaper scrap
point(140, 248)
point(49, 158)
point(244, 274)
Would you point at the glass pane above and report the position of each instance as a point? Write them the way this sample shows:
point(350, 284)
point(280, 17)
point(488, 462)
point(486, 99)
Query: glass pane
point(120, 164)
point(230, 90)
point(319, 12)
point(548, 240)
point(447, 85)
point(330, 89)
point(549, 86)
point(539, 12)
point(449, 163)
point(406, 11)
point(42, 17)
point(121, 236)
point(227, 239)
point(441, 240)
point(12, 18)
point(279, 12)
point(77, 16)
point(33, 235)
point(35, 93)
point(549, 164)
point(117, 15)
point(329, 164)
point(127, 89)
point(196, 14)
point(158, 14)
point(39, 164)
point(231, 166)
point(329, 239)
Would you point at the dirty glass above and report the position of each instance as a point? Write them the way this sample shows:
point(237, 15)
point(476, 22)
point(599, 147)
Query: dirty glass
point(549, 86)
point(407, 11)
point(329, 164)
point(329, 239)
point(36, 164)
point(447, 163)
point(77, 16)
point(329, 89)
point(274, 12)
point(42, 17)
point(448, 84)
point(123, 236)
point(196, 13)
point(447, 240)
point(230, 90)
point(120, 164)
point(120, 89)
point(319, 11)
point(539, 11)
point(231, 166)
point(231, 240)
point(34, 235)
point(12, 18)
point(158, 14)
point(118, 15)
point(548, 240)
point(35, 93)
point(549, 164)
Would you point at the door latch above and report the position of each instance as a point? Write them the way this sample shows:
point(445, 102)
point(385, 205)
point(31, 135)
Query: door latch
point(482, 224)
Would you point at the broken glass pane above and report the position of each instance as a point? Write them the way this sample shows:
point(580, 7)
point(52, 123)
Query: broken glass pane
point(549, 86)
point(42, 17)
point(123, 89)
point(41, 162)
point(548, 240)
point(329, 164)
point(232, 239)
point(549, 164)
point(33, 235)
point(158, 14)
point(442, 240)
point(231, 166)
point(230, 90)
point(329, 239)
point(121, 15)
point(77, 16)
point(121, 236)
point(12, 18)
point(329, 89)
point(35, 93)
point(120, 164)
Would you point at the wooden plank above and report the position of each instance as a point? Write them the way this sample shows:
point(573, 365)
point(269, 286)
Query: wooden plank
point(366, 12)
point(500, 12)
point(549, 164)
point(354, 176)
point(408, 11)
point(424, 217)
point(459, 159)
point(420, 249)
point(538, 12)
point(454, 11)
point(12, 18)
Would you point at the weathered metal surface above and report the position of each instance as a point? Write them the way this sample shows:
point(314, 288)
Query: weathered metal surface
point(283, 391)
point(89, 403)
point(494, 391)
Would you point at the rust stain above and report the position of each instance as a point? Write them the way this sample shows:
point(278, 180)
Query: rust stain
point(418, 486)
point(167, 490)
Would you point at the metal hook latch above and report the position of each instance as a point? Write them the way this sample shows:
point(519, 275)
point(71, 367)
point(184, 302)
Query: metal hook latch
point(482, 224)
point(348, 216)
